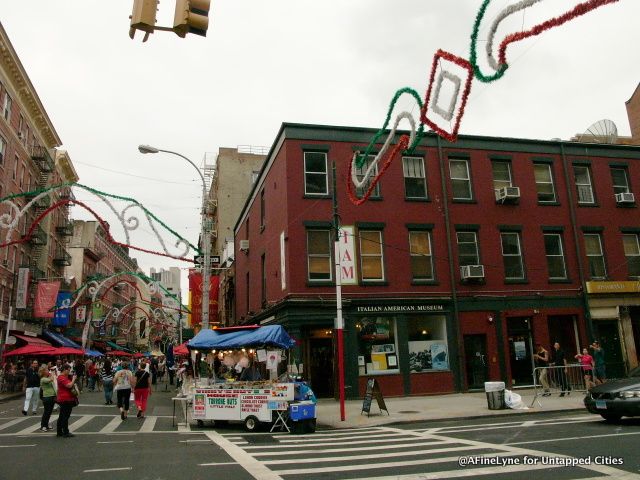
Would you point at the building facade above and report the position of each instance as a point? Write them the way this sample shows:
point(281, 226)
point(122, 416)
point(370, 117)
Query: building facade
point(464, 258)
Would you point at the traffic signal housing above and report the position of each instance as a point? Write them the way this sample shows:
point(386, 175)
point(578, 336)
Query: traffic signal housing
point(143, 16)
point(192, 16)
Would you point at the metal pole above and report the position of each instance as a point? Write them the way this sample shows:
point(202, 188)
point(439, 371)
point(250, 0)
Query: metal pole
point(339, 323)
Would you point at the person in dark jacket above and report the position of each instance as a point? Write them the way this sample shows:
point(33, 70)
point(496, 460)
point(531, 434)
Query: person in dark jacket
point(559, 359)
point(31, 388)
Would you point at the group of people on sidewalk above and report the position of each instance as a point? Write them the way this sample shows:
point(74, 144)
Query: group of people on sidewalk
point(58, 386)
point(592, 366)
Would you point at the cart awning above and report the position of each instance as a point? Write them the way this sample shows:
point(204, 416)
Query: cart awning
point(60, 339)
point(268, 336)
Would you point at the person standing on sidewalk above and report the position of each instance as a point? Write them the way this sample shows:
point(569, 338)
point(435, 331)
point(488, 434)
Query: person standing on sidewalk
point(587, 363)
point(560, 361)
point(122, 383)
point(80, 373)
point(66, 399)
point(142, 390)
point(48, 397)
point(91, 375)
point(541, 358)
point(31, 388)
point(598, 358)
point(106, 374)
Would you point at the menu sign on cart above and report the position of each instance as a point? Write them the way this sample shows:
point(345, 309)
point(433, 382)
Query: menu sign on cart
point(373, 390)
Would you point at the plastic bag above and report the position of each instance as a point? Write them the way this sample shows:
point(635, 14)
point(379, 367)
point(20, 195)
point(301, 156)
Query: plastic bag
point(514, 401)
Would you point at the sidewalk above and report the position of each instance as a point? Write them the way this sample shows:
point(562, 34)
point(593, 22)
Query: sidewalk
point(436, 407)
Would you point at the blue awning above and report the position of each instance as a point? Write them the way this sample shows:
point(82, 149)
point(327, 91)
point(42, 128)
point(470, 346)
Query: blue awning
point(60, 339)
point(270, 336)
point(93, 353)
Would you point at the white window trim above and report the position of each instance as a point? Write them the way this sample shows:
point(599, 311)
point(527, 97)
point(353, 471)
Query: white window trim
point(411, 254)
point(635, 236)
point(550, 182)
point(510, 180)
point(626, 187)
point(381, 256)
point(512, 255)
point(360, 171)
point(325, 173)
point(601, 254)
point(407, 174)
point(317, 255)
point(475, 242)
point(564, 262)
point(467, 179)
point(589, 184)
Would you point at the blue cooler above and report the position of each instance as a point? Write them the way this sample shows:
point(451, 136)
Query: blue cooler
point(302, 411)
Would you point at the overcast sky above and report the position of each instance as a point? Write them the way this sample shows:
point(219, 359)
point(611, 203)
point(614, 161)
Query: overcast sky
point(266, 62)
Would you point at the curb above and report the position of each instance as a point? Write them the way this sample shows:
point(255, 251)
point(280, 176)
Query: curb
point(7, 398)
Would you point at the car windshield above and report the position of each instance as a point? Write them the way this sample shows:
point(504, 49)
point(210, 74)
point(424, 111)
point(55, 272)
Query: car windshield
point(635, 372)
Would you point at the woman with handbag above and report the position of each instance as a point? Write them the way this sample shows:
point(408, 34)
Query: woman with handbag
point(67, 399)
point(142, 390)
point(122, 383)
point(47, 395)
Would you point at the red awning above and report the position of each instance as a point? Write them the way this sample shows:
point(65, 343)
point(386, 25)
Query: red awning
point(67, 351)
point(31, 350)
point(118, 353)
point(32, 340)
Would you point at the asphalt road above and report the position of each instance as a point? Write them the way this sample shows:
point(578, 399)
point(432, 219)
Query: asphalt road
point(523, 447)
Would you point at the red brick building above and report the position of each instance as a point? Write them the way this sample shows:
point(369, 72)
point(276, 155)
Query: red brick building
point(465, 257)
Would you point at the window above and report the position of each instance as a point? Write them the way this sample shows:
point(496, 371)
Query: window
point(6, 106)
point(583, 184)
point(632, 252)
point(319, 255)
point(262, 211)
point(460, 179)
point(3, 150)
point(501, 174)
point(421, 256)
point(315, 174)
point(263, 276)
point(512, 255)
point(620, 180)
point(360, 172)
point(555, 256)
point(371, 259)
point(415, 185)
point(428, 343)
point(595, 256)
point(467, 248)
point(377, 347)
point(544, 182)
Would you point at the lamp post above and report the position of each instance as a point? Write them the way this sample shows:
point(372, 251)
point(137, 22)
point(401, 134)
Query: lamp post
point(204, 235)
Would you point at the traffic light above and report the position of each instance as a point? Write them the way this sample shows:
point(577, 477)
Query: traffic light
point(143, 17)
point(192, 16)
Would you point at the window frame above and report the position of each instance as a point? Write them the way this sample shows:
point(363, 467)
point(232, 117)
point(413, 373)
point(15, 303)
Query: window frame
point(360, 171)
point(495, 162)
point(627, 255)
point(549, 167)
point(467, 180)
point(586, 169)
point(600, 255)
point(363, 256)
point(627, 186)
point(549, 256)
point(3, 150)
point(475, 242)
point(519, 255)
point(7, 104)
point(414, 278)
point(328, 256)
point(318, 173)
point(421, 165)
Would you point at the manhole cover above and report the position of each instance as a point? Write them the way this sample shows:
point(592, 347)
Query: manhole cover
point(408, 411)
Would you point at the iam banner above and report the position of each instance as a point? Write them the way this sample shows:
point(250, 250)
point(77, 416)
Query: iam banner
point(195, 288)
point(62, 315)
point(22, 289)
point(45, 301)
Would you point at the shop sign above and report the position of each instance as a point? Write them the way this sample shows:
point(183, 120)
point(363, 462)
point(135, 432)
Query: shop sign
point(399, 308)
point(347, 251)
point(239, 403)
point(22, 288)
point(613, 287)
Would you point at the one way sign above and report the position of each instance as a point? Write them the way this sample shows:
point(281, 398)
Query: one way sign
point(213, 260)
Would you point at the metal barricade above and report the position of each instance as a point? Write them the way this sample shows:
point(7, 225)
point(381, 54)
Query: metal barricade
point(558, 380)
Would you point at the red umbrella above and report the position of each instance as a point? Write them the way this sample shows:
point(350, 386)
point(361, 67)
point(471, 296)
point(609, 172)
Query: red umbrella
point(67, 351)
point(138, 355)
point(31, 350)
point(118, 353)
point(181, 349)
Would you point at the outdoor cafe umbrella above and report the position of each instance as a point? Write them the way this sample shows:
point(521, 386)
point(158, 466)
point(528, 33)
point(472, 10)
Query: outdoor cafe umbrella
point(66, 351)
point(118, 353)
point(32, 350)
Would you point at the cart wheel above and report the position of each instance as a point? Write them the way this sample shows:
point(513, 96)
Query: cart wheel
point(311, 425)
point(251, 423)
point(200, 423)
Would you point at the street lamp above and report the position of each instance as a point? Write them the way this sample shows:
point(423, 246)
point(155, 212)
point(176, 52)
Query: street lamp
point(204, 235)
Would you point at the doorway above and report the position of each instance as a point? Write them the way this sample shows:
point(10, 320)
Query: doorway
point(608, 335)
point(477, 367)
point(321, 365)
point(564, 330)
point(520, 351)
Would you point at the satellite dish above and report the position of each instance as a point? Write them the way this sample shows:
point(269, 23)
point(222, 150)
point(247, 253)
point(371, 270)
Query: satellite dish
point(603, 131)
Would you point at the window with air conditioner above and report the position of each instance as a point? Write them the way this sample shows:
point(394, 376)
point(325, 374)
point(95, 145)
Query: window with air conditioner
point(467, 248)
point(501, 170)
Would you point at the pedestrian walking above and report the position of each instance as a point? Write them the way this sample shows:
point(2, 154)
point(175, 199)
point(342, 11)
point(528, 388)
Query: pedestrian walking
point(80, 373)
point(600, 373)
point(67, 399)
point(48, 396)
point(587, 363)
point(560, 360)
point(142, 390)
point(92, 373)
point(541, 358)
point(123, 380)
point(31, 387)
point(106, 374)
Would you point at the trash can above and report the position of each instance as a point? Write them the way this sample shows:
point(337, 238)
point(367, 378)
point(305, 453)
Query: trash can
point(495, 395)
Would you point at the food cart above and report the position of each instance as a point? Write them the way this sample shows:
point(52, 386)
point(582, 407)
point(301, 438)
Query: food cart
point(288, 405)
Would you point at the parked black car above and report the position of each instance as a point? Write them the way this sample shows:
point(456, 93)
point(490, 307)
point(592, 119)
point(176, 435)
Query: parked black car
point(617, 398)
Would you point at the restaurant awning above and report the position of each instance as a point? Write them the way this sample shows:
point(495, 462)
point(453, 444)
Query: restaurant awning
point(115, 346)
point(32, 340)
point(60, 339)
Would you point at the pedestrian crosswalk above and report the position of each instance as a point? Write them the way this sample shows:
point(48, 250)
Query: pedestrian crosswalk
point(84, 423)
point(385, 453)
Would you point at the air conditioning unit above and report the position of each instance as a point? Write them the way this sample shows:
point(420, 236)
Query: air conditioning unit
point(507, 194)
point(244, 245)
point(625, 198)
point(470, 272)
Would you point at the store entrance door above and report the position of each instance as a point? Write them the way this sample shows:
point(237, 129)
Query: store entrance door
point(475, 352)
point(321, 366)
point(520, 351)
point(609, 337)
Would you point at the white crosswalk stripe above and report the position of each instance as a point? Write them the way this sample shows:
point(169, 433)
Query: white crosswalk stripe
point(87, 423)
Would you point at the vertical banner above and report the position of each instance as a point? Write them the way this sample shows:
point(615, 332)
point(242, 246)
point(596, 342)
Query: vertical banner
point(85, 334)
point(283, 265)
point(45, 301)
point(81, 313)
point(142, 331)
point(22, 289)
point(96, 312)
point(195, 289)
point(62, 315)
point(348, 256)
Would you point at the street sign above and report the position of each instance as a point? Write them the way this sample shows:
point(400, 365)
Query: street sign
point(213, 260)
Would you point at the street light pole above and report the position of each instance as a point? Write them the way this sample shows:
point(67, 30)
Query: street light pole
point(204, 235)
